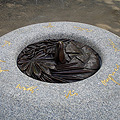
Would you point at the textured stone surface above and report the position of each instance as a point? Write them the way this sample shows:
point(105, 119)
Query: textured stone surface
point(94, 101)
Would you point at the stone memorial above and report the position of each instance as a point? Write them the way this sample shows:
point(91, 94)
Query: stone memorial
point(60, 71)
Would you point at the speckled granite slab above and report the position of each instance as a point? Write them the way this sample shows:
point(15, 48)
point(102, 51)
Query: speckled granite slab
point(95, 98)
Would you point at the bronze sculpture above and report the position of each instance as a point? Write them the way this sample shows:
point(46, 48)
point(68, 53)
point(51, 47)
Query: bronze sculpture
point(59, 61)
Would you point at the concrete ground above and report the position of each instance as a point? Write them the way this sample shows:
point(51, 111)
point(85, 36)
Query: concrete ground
point(18, 13)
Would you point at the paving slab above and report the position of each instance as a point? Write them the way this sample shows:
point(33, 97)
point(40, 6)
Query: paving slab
point(94, 98)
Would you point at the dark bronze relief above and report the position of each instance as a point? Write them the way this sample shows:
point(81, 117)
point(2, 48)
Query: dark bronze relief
point(58, 61)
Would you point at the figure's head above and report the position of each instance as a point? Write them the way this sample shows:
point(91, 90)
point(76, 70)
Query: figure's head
point(60, 45)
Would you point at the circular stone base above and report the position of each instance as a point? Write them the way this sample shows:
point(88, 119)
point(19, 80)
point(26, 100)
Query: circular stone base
point(97, 97)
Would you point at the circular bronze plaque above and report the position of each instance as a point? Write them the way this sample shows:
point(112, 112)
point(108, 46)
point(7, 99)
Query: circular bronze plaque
point(59, 61)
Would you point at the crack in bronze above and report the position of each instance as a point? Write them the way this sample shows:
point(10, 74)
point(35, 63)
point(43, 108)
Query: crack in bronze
point(59, 61)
